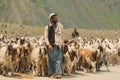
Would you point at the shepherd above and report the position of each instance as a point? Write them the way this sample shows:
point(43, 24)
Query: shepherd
point(54, 41)
point(75, 33)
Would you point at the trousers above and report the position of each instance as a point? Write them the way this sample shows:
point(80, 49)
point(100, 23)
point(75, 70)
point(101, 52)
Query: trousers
point(54, 60)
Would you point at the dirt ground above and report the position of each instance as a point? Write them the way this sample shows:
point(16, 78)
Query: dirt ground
point(114, 74)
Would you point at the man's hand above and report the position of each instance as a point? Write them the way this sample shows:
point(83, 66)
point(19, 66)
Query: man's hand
point(50, 47)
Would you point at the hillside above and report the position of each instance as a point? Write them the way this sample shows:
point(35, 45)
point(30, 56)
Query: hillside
point(13, 30)
point(72, 13)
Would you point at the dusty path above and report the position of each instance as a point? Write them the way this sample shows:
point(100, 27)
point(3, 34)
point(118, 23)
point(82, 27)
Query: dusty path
point(114, 74)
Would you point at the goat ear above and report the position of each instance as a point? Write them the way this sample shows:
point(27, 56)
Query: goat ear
point(26, 51)
point(75, 43)
point(28, 45)
point(78, 46)
point(7, 53)
point(45, 50)
point(40, 51)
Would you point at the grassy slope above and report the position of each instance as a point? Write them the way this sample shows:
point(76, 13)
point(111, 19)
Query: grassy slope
point(72, 13)
point(16, 30)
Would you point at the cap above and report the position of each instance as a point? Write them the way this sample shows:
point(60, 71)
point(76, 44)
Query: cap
point(52, 14)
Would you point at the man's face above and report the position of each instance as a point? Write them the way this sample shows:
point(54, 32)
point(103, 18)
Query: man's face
point(54, 19)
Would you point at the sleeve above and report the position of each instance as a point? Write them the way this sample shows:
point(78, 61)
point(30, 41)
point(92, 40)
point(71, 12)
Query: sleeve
point(46, 35)
point(59, 29)
point(62, 39)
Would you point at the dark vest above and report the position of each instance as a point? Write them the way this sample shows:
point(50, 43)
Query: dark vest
point(51, 35)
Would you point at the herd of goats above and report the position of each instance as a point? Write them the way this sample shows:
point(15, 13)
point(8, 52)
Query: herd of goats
point(29, 54)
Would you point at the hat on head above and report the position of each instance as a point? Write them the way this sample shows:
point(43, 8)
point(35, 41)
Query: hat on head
point(52, 14)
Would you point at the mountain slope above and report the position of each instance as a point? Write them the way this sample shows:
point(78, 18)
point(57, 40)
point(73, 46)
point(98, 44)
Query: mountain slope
point(72, 13)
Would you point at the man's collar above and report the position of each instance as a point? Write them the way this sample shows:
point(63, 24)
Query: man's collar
point(50, 24)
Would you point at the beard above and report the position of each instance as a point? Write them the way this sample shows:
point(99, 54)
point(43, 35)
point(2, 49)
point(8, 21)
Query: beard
point(55, 22)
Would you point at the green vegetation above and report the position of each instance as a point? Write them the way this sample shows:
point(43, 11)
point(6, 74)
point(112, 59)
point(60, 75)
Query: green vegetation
point(88, 14)
point(36, 31)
